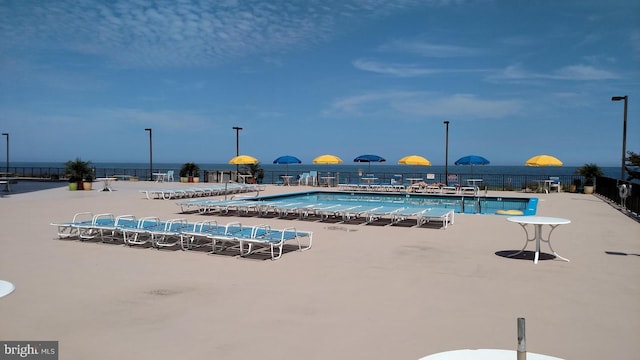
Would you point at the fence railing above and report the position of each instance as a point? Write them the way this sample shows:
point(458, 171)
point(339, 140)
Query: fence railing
point(609, 188)
point(501, 182)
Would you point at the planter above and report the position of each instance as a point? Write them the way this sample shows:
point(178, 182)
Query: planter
point(573, 188)
point(588, 189)
point(184, 179)
point(87, 185)
point(196, 179)
point(73, 186)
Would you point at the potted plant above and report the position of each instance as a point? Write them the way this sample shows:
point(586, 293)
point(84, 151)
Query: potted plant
point(590, 172)
point(76, 170)
point(256, 172)
point(575, 185)
point(87, 184)
point(189, 172)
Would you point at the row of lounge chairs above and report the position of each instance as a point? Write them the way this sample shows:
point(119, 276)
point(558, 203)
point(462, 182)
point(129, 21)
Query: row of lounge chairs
point(344, 212)
point(151, 230)
point(181, 193)
point(415, 188)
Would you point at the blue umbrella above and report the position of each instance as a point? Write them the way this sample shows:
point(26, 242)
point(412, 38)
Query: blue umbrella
point(287, 159)
point(369, 159)
point(472, 160)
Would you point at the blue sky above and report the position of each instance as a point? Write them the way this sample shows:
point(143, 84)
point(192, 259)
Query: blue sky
point(84, 78)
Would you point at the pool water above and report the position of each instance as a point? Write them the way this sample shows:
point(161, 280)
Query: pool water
point(460, 204)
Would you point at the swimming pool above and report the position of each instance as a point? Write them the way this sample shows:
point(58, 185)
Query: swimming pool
point(459, 203)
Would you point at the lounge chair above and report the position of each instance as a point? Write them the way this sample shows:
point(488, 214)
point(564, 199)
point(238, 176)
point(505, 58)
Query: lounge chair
point(555, 183)
point(273, 239)
point(446, 216)
point(167, 233)
point(380, 212)
point(71, 229)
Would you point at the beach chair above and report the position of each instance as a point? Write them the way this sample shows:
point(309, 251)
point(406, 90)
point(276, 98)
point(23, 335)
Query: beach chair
point(313, 178)
point(380, 212)
point(71, 229)
point(141, 233)
point(446, 216)
point(555, 183)
point(167, 233)
point(263, 236)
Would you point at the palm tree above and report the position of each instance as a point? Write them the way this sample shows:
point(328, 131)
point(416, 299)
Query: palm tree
point(590, 172)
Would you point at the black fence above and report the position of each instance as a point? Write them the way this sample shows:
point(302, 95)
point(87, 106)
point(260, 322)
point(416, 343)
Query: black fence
point(627, 199)
point(501, 182)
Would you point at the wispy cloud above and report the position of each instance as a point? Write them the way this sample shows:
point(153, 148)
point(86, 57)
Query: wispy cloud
point(405, 70)
point(400, 70)
point(161, 33)
point(428, 49)
point(576, 72)
point(423, 104)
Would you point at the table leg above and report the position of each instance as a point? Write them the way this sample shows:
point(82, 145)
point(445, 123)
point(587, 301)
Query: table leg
point(548, 241)
point(527, 239)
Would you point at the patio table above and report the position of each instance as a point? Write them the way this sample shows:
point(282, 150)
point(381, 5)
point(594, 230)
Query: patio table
point(538, 222)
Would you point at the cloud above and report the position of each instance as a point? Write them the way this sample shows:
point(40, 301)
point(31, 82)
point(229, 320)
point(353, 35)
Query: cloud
point(405, 70)
point(429, 50)
point(577, 72)
point(164, 33)
point(422, 104)
point(399, 70)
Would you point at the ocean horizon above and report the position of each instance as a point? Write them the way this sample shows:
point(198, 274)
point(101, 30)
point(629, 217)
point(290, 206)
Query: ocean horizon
point(380, 168)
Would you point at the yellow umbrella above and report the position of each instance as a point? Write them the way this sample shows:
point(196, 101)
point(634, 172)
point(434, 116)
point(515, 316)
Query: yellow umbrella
point(327, 159)
point(543, 160)
point(243, 160)
point(414, 160)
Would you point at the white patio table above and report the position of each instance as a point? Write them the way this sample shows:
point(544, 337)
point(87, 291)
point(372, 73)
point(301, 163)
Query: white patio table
point(485, 354)
point(6, 288)
point(538, 222)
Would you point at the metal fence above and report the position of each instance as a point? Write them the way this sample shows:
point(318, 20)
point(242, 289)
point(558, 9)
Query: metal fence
point(502, 182)
point(609, 188)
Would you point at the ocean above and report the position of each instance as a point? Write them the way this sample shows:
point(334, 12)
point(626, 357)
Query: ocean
point(381, 170)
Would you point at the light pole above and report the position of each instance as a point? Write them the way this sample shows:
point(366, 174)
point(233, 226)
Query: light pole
point(6, 175)
point(237, 129)
point(446, 154)
point(150, 153)
point(624, 131)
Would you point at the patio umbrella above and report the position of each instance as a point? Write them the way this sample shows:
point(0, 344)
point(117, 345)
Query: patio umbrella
point(369, 159)
point(472, 160)
point(327, 159)
point(287, 159)
point(543, 160)
point(414, 160)
point(243, 160)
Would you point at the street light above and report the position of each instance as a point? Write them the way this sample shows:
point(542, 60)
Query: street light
point(446, 154)
point(237, 129)
point(6, 175)
point(624, 132)
point(150, 153)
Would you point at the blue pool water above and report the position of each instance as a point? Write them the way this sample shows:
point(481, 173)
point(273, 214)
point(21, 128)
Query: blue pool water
point(460, 204)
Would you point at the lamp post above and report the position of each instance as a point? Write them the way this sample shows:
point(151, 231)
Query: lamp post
point(624, 131)
point(6, 175)
point(446, 154)
point(150, 153)
point(237, 129)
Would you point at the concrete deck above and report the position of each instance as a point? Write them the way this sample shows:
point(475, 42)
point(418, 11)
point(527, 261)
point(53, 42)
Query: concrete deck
point(361, 292)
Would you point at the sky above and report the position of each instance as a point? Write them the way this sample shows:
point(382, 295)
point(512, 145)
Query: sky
point(85, 78)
